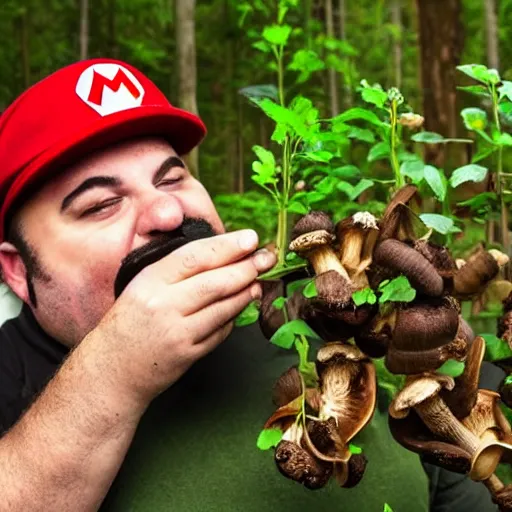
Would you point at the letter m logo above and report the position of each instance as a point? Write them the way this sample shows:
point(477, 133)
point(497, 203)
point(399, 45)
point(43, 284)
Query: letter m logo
point(109, 88)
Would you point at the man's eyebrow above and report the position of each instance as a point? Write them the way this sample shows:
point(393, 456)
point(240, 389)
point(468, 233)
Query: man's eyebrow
point(96, 181)
point(169, 163)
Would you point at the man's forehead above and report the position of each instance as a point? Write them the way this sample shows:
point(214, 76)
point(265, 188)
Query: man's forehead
point(116, 160)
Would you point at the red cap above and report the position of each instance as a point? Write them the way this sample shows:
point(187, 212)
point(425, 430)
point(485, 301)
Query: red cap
point(81, 108)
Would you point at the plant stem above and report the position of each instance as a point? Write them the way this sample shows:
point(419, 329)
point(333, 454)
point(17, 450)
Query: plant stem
point(505, 241)
point(393, 156)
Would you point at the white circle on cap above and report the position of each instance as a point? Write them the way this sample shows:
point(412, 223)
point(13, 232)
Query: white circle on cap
point(109, 88)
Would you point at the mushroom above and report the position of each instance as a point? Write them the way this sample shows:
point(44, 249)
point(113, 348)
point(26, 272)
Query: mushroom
point(374, 338)
point(505, 321)
point(440, 258)
point(289, 387)
point(403, 259)
point(357, 236)
point(503, 497)
point(422, 393)
point(348, 385)
point(412, 434)
point(480, 268)
point(296, 463)
point(462, 399)
point(312, 238)
point(409, 362)
point(398, 219)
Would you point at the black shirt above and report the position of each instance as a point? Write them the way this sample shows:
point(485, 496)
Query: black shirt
point(234, 375)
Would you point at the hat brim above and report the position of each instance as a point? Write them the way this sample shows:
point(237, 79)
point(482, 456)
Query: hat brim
point(183, 130)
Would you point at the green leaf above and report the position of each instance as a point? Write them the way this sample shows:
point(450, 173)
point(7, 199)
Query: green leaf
point(439, 223)
point(483, 152)
point(361, 134)
point(266, 156)
point(387, 508)
point(306, 62)
point(428, 137)
point(495, 348)
point(310, 290)
point(508, 380)
point(260, 91)
point(364, 296)
point(471, 172)
point(285, 335)
point(279, 302)
point(358, 113)
point(248, 316)
point(297, 207)
point(475, 119)
point(374, 96)
point(504, 139)
point(433, 178)
point(397, 290)
point(319, 156)
point(477, 90)
point(262, 46)
point(292, 287)
point(269, 438)
point(480, 73)
point(346, 172)
point(452, 368)
point(354, 449)
point(480, 200)
point(413, 169)
point(363, 185)
point(277, 34)
point(505, 90)
point(379, 151)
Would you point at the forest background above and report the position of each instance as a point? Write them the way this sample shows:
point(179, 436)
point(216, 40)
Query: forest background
point(214, 58)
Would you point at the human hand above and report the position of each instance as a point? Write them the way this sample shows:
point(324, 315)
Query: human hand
point(178, 309)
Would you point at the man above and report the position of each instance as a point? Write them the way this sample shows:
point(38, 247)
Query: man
point(145, 402)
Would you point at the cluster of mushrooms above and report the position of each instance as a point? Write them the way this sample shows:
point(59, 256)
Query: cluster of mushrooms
point(449, 421)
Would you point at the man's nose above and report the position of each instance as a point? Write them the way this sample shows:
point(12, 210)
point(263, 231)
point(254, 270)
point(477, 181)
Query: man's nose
point(159, 213)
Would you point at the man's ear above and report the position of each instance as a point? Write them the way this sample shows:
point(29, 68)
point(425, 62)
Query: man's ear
point(13, 270)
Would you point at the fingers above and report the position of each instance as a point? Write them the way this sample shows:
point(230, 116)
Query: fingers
point(208, 253)
point(207, 321)
point(204, 289)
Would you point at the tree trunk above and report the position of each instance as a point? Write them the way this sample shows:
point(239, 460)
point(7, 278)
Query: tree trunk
point(113, 49)
point(84, 29)
point(187, 67)
point(240, 146)
point(342, 20)
point(491, 30)
point(441, 44)
point(25, 48)
point(396, 19)
point(333, 79)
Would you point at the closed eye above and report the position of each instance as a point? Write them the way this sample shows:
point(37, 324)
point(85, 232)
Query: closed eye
point(101, 207)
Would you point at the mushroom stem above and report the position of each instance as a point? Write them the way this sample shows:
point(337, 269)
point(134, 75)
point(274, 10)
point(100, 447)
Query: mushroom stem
point(440, 420)
point(324, 259)
point(494, 484)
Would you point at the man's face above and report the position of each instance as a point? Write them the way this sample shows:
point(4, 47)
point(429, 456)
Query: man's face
point(83, 224)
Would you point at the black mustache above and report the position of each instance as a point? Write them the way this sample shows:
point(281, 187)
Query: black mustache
point(133, 263)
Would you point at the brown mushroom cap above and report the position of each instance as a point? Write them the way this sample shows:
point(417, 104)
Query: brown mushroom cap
point(412, 434)
point(438, 255)
point(287, 388)
point(424, 325)
point(305, 243)
point(398, 219)
point(294, 462)
point(313, 221)
point(472, 277)
point(416, 391)
point(413, 362)
point(503, 498)
point(334, 292)
point(405, 260)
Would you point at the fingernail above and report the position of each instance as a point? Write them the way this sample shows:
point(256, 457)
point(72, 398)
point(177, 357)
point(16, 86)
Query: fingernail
point(248, 239)
point(263, 259)
point(256, 292)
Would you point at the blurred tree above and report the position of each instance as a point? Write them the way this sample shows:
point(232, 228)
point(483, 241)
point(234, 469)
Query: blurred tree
point(491, 30)
point(396, 20)
point(441, 38)
point(84, 29)
point(333, 78)
point(187, 67)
